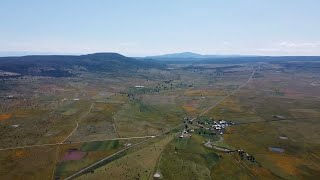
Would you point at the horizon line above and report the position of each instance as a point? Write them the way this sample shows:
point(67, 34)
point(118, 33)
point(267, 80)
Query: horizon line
point(30, 53)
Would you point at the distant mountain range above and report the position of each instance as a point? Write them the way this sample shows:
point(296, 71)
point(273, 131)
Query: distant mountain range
point(72, 65)
point(190, 55)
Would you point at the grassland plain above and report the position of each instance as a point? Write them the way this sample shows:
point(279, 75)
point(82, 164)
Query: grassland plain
point(122, 110)
point(139, 119)
point(187, 159)
point(35, 163)
point(139, 164)
point(98, 124)
point(210, 158)
point(255, 104)
point(73, 157)
point(50, 114)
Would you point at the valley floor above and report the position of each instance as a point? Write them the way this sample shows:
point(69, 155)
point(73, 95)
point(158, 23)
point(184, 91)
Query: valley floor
point(163, 124)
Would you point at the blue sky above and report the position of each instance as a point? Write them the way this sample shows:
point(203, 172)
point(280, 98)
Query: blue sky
point(149, 27)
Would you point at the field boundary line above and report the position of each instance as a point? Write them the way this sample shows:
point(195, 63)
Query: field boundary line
point(75, 142)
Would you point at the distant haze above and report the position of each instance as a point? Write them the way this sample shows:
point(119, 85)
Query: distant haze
point(147, 28)
point(191, 55)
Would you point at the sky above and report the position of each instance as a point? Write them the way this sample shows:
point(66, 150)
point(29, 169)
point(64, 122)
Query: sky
point(151, 27)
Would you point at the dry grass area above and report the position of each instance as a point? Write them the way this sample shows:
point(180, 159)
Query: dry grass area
point(256, 104)
point(98, 124)
point(47, 110)
point(204, 92)
point(140, 119)
point(5, 116)
point(35, 163)
point(140, 164)
point(159, 99)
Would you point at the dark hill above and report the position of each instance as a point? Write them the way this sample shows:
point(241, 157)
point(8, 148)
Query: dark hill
point(62, 65)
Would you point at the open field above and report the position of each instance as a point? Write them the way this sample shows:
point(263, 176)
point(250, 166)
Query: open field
point(140, 164)
point(54, 127)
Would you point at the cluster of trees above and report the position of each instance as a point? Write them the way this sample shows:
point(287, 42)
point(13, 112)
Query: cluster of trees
point(207, 133)
point(244, 155)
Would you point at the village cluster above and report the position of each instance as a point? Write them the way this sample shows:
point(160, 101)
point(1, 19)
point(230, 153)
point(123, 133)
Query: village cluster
point(215, 127)
point(212, 127)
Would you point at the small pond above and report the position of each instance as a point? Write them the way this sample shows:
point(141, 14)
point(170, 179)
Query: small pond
point(276, 149)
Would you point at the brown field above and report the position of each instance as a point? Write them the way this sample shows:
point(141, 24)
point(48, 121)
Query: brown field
point(5, 117)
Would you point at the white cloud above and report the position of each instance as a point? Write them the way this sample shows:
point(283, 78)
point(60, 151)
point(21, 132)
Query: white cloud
point(291, 48)
point(298, 45)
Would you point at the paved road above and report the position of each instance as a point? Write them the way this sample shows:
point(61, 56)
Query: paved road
point(104, 159)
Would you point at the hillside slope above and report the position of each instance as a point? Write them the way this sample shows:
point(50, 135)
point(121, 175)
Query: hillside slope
point(62, 65)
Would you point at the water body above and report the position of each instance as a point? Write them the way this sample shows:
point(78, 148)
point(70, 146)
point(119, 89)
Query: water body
point(276, 149)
